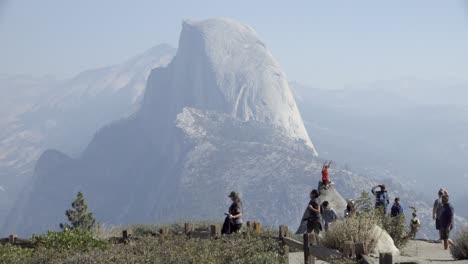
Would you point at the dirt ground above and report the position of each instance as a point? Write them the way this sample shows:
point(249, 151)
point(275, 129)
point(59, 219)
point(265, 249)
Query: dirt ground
point(415, 252)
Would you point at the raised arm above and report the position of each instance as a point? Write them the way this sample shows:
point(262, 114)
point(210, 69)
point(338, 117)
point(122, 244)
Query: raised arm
point(374, 190)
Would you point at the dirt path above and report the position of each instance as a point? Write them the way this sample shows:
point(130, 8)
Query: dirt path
point(298, 258)
point(415, 252)
point(428, 252)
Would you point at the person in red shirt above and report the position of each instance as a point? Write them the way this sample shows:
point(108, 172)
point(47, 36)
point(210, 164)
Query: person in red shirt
point(325, 179)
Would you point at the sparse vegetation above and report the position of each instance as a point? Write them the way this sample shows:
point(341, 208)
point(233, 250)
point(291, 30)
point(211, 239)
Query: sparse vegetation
point(362, 227)
point(460, 249)
point(396, 228)
point(14, 255)
point(78, 246)
point(73, 240)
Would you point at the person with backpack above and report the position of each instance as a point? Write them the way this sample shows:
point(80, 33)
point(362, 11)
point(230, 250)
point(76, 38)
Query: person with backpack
point(328, 214)
point(446, 221)
point(313, 221)
point(396, 210)
point(415, 224)
point(437, 209)
point(381, 198)
point(233, 221)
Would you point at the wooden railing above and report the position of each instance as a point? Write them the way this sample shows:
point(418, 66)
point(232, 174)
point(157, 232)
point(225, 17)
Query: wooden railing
point(14, 240)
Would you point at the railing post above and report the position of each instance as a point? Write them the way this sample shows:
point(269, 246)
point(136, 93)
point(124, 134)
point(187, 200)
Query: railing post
point(385, 258)
point(284, 249)
point(361, 250)
point(308, 258)
point(348, 249)
point(164, 231)
point(214, 231)
point(188, 227)
point(256, 226)
point(12, 239)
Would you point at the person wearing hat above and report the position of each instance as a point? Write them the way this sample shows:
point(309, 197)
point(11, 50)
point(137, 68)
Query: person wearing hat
point(381, 198)
point(233, 221)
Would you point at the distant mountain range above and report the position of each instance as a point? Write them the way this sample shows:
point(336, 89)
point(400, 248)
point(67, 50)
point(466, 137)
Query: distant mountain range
point(412, 130)
point(41, 113)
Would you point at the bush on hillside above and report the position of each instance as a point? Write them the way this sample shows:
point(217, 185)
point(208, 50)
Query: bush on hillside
point(360, 228)
point(69, 240)
point(396, 228)
point(460, 249)
point(169, 249)
point(14, 255)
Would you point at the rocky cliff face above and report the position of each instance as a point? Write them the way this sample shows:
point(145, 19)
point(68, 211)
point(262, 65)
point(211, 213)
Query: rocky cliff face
point(219, 117)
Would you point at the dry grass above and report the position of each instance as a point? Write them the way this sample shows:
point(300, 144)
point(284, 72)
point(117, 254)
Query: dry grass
point(356, 229)
point(460, 249)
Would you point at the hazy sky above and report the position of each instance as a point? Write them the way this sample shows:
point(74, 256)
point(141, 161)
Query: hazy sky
point(324, 43)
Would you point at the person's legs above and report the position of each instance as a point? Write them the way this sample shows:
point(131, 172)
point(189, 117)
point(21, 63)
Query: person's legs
point(310, 227)
point(236, 228)
point(445, 235)
point(438, 228)
point(317, 232)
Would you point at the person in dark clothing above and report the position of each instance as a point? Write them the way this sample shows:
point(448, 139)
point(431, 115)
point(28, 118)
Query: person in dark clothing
point(314, 221)
point(381, 198)
point(233, 221)
point(437, 209)
point(328, 214)
point(396, 210)
point(446, 221)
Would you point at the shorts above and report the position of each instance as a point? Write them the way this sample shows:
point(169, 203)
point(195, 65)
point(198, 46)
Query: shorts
point(444, 233)
point(314, 226)
point(437, 224)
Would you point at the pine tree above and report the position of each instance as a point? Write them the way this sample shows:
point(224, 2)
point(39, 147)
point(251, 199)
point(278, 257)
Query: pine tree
point(78, 216)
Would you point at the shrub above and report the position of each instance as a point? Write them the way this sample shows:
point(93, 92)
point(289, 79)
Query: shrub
point(73, 240)
point(460, 248)
point(12, 254)
point(396, 228)
point(360, 228)
point(169, 249)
